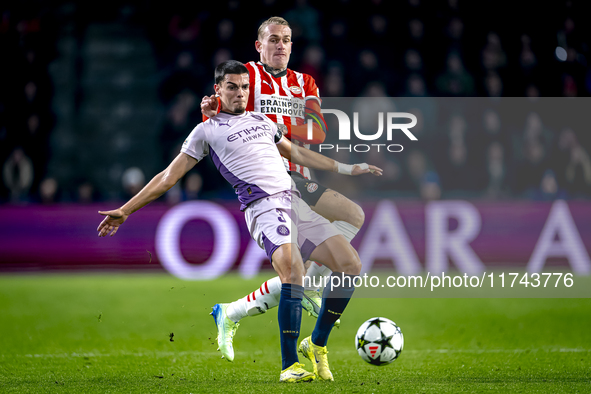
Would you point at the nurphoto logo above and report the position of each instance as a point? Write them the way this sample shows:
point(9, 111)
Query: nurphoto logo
point(392, 120)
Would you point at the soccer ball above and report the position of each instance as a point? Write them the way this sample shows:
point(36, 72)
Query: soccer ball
point(379, 341)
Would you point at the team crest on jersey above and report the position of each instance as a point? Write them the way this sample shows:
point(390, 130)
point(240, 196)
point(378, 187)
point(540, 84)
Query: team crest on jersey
point(257, 117)
point(295, 89)
point(311, 187)
point(282, 230)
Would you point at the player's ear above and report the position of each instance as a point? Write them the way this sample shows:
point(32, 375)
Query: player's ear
point(258, 46)
point(217, 89)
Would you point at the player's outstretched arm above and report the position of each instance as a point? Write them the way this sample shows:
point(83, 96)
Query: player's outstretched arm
point(159, 185)
point(308, 158)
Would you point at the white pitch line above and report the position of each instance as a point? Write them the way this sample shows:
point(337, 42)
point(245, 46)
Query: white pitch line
point(197, 353)
point(134, 354)
point(478, 351)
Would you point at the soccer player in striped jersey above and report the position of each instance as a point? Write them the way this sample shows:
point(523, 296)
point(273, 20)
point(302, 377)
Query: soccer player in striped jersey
point(245, 147)
point(287, 98)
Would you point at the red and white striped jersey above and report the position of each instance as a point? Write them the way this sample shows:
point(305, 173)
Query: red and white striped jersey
point(282, 98)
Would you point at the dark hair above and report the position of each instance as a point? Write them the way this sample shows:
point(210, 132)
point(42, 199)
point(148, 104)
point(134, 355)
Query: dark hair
point(229, 67)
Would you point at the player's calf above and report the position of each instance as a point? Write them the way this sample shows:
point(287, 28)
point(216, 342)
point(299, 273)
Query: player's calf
point(335, 299)
point(290, 268)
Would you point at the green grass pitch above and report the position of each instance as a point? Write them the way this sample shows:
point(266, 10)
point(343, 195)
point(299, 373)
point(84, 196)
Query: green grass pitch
point(84, 333)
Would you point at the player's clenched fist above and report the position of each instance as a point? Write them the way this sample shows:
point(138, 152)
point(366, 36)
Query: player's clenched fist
point(209, 105)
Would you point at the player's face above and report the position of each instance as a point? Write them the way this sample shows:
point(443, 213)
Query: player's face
point(233, 92)
point(275, 47)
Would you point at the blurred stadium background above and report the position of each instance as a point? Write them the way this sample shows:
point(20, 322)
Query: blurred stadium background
point(96, 98)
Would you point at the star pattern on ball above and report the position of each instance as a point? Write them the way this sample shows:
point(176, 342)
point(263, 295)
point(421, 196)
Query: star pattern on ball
point(385, 341)
point(375, 322)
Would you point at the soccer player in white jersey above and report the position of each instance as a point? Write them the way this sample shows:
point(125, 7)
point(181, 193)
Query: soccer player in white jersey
point(290, 99)
point(245, 147)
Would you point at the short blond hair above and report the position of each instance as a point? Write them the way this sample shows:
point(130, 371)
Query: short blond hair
point(274, 20)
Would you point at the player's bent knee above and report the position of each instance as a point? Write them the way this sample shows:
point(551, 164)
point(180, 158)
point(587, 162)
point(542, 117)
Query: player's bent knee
point(350, 266)
point(352, 214)
point(356, 216)
point(354, 268)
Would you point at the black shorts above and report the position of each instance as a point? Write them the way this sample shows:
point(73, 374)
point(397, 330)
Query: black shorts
point(311, 191)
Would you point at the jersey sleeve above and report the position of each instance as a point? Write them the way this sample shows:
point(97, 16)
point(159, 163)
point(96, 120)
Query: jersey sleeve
point(276, 133)
point(313, 112)
point(196, 145)
point(311, 91)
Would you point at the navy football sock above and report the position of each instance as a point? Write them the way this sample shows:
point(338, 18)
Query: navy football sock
point(290, 318)
point(334, 303)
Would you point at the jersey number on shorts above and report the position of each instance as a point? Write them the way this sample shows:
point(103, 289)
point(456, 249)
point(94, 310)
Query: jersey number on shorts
point(280, 217)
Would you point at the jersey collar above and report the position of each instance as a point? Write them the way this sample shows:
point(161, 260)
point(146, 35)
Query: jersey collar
point(270, 71)
point(229, 114)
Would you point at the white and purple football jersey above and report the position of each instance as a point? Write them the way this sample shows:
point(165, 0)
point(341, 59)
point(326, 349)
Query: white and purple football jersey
point(243, 150)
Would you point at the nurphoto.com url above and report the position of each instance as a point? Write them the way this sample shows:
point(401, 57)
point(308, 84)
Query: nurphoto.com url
point(442, 280)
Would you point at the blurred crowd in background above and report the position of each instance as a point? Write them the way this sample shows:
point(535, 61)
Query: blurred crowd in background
point(61, 138)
